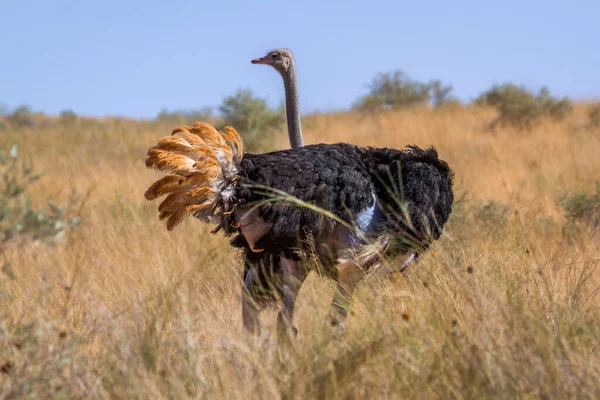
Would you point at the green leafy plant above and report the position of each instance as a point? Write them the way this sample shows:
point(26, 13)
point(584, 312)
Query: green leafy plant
point(396, 90)
point(67, 117)
point(20, 222)
point(253, 119)
point(522, 109)
point(21, 117)
point(582, 208)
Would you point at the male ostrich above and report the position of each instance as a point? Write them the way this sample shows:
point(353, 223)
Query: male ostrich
point(263, 273)
point(380, 203)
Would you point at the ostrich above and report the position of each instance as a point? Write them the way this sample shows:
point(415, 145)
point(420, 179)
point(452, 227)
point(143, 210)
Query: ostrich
point(263, 271)
point(378, 203)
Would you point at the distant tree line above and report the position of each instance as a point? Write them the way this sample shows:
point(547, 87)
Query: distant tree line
point(516, 106)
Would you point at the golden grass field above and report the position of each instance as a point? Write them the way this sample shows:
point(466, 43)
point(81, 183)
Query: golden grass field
point(498, 308)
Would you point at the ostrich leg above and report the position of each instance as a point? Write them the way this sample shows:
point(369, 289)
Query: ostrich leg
point(250, 309)
point(294, 275)
point(349, 275)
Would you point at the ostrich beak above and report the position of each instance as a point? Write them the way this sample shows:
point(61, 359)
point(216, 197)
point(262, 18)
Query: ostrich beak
point(260, 60)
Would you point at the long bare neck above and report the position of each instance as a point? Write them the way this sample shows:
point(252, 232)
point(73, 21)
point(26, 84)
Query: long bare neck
point(292, 107)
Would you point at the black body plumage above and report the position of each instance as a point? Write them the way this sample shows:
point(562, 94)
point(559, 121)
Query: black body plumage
point(412, 188)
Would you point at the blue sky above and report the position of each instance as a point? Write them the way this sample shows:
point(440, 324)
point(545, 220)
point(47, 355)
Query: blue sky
point(133, 58)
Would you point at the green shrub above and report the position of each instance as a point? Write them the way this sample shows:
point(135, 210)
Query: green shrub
point(522, 111)
point(557, 109)
point(21, 117)
point(582, 208)
point(491, 214)
point(395, 90)
point(441, 94)
point(67, 117)
point(499, 94)
point(253, 119)
point(20, 223)
point(520, 108)
point(471, 216)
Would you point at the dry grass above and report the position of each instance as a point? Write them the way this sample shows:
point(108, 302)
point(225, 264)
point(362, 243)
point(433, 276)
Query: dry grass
point(499, 308)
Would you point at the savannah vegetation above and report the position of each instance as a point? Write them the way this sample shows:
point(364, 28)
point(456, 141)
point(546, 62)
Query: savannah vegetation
point(98, 300)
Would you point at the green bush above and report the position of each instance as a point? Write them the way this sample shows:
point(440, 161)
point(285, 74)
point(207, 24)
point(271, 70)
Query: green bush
point(491, 212)
point(67, 117)
point(21, 117)
point(499, 94)
point(557, 109)
point(472, 216)
point(253, 119)
point(520, 108)
point(20, 223)
point(441, 94)
point(582, 208)
point(395, 90)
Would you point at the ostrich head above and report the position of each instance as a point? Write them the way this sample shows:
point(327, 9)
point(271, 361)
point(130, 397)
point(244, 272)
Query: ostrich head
point(283, 61)
point(280, 59)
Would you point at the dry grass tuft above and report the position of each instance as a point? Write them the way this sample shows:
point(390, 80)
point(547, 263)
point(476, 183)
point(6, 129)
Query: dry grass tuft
point(505, 305)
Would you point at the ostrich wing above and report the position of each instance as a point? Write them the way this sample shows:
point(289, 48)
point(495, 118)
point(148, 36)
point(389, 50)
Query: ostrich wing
point(332, 177)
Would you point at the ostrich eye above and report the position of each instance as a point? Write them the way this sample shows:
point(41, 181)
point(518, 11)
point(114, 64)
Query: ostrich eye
point(274, 56)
